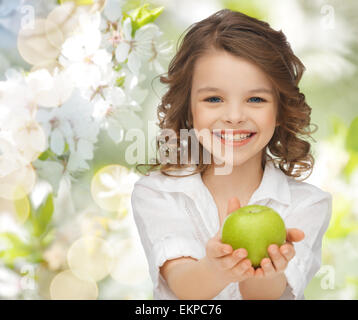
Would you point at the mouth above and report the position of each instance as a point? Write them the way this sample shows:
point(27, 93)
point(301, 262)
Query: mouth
point(233, 135)
point(237, 139)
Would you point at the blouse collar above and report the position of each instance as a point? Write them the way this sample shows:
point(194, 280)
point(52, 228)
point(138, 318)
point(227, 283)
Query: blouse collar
point(274, 184)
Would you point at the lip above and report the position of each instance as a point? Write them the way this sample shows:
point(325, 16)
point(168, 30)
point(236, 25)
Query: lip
point(235, 143)
point(231, 131)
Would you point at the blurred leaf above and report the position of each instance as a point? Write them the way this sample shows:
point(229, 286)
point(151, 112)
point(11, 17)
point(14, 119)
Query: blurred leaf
point(142, 16)
point(48, 153)
point(12, 239)
point(15, 248)
point(43, 215)
point(338, 126)
point(67, 147)
point(351, 166)
point(48, 237)
point(44, 155)
point(120, 81)
point(352, 136)
point(22, 209)
point(352, 280)
point(130, 5)
point(252, 8)
point(341, 224)
point(118, 67)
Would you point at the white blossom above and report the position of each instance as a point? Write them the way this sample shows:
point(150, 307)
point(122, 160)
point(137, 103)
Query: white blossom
point(115, 107)
point(72, 123)
point(137, 48)
point(161, 51)
point(81, 53)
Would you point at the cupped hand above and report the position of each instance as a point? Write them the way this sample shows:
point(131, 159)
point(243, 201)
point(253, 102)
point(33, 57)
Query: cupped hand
point(279, 256)
point(231, 265)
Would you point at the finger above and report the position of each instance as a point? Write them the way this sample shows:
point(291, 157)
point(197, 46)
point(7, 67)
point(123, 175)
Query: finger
point(215, 248)
point(219, 249)
point(267, 267)
point(242, 267)
point(249, 273)
point(288, 251)
point(277, 258)
point(259, 273)
point(294, 235)
point(230, 261)
point(233, 204)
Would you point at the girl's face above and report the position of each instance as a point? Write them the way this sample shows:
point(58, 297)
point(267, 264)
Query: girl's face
point(229, 92)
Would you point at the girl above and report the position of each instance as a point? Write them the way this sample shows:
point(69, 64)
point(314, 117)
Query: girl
point(234, 82)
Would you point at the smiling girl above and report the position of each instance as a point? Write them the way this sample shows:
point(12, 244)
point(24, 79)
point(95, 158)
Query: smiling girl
point(234, 82)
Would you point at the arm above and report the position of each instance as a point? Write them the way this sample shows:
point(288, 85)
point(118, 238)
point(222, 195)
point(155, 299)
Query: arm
point(167, 237)
point(190, 279)
point(202, 279)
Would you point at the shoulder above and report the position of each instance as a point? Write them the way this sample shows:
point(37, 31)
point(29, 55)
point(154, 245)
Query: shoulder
point(150, 186)
point(154, 176)
point(171, 182)
point(311, 206)
point(158, 207)
point(156, 188)
point(306, 193)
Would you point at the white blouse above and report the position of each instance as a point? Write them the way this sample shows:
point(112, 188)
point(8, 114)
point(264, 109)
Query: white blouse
point(176, 216)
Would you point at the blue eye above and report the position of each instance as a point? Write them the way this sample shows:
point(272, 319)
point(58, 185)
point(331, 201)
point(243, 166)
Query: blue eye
point(256, 99)
point(208, 99)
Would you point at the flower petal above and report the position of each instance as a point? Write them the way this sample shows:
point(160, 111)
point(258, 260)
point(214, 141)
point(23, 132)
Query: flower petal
point(147, 32)
point(122, 51)
point(57, 143)
point(134, 62)
point(127, 28)
point(85, 148)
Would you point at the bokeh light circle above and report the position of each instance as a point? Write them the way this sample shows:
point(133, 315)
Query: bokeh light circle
point(18, 183)
point(67, 286)
point(65, 17)
point(111, 187)
point(98, 5)
point(90, 257)
point(34, 45)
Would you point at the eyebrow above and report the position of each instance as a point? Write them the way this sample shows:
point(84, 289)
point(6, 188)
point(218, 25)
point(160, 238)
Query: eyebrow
point(258, 90)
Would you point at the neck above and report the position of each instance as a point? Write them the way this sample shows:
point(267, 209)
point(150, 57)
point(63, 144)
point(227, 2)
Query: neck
point(241, 182)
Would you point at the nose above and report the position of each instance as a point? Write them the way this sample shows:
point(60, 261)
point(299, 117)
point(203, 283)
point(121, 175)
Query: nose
point(234, 113)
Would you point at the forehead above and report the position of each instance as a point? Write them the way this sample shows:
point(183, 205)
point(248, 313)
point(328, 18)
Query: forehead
point(224, 70)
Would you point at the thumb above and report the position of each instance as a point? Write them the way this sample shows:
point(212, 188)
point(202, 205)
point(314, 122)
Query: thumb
point(294, 235)
point(233, 204)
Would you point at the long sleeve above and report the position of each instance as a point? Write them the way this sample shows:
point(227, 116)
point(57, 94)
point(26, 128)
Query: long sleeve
point(164, 229)
point(313, 217)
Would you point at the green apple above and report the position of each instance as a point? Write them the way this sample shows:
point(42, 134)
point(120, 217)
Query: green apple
point(254, 228)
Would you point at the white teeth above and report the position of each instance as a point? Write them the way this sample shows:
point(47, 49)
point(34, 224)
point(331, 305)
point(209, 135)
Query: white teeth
point(236, 137)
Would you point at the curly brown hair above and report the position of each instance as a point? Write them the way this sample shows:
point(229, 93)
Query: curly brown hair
point(254, 40)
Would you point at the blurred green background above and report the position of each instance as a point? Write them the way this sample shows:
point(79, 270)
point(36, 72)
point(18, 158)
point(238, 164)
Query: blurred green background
point(324, 36)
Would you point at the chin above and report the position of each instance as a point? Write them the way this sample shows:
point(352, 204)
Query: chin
point(226, 164)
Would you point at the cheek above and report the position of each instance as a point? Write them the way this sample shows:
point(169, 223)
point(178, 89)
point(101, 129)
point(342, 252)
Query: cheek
point(266, 122)
point(203, 117)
